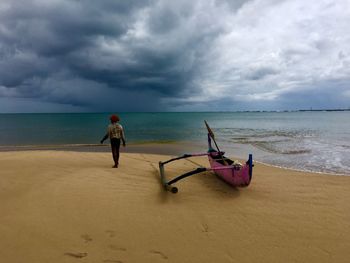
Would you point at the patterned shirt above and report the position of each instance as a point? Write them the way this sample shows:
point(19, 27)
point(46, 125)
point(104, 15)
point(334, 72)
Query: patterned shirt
point(115, 130)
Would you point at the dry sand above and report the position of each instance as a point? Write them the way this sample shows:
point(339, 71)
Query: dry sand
point(61, 206)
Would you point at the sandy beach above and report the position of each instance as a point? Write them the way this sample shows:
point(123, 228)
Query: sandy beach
point(66, 206)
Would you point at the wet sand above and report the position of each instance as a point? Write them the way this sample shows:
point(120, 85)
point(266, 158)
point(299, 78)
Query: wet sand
point(69, 206)
point(164, 148)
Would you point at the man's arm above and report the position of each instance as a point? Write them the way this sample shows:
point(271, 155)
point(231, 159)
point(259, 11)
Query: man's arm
point(123, 137)
point(104, 138)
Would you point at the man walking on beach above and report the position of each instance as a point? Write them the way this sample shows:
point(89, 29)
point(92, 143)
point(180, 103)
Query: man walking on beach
point(115, 133)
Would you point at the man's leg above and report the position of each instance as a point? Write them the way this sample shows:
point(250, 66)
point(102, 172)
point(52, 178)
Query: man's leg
point(115, 143)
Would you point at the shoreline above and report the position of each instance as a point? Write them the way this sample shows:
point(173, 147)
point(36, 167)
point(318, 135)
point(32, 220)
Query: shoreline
point(168, 148)
point(301, 170)
point(154, 147)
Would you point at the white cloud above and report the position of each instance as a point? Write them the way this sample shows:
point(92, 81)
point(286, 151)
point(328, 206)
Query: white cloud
point(272, 47)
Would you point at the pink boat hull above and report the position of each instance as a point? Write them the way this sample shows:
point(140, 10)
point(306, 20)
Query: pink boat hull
point(239, 176)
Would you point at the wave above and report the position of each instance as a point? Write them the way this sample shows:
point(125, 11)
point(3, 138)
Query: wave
point(272, 148)
point(280, 146)
point(264, 133)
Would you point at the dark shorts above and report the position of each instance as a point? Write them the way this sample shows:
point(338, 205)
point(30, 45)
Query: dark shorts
point(115, 143)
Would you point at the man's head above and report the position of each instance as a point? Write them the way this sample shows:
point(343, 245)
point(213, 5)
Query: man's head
point(114, 118)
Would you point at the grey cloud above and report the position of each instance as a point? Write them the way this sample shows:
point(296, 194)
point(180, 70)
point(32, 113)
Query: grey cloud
point(260, 73)
point(233, 5)
point(317, 96)
point(164, 21)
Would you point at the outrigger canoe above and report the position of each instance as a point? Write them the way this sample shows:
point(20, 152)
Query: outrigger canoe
point(232, 172)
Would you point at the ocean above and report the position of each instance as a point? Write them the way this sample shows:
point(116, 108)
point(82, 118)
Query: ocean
point(316, 141)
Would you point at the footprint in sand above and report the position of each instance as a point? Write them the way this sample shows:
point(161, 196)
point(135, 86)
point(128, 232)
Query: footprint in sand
point(86, 238)
point(205, 228)
point(76, 255)
point(113, 247)
point(111, 233)
point(112, 261)
point(158, 253)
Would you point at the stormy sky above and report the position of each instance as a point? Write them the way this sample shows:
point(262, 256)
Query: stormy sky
point(184, 55)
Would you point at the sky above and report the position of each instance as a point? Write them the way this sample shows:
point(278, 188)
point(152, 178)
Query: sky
point(184, 55)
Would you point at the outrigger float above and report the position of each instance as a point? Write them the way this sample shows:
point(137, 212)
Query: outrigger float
point(232, 172)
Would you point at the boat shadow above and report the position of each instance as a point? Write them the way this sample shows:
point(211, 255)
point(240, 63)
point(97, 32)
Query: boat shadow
point(218, 186)
point(214, 186)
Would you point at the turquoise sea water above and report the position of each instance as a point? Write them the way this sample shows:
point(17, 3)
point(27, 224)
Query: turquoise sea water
point(316, 141)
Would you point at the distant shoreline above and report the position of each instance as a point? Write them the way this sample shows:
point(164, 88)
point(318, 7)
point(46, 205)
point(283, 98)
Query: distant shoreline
point(235, 111)
point(301, 110)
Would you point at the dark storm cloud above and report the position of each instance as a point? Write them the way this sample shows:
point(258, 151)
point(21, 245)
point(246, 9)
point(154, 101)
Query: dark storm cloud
point(125, 46)
point(58, 28)
point(149, 70)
